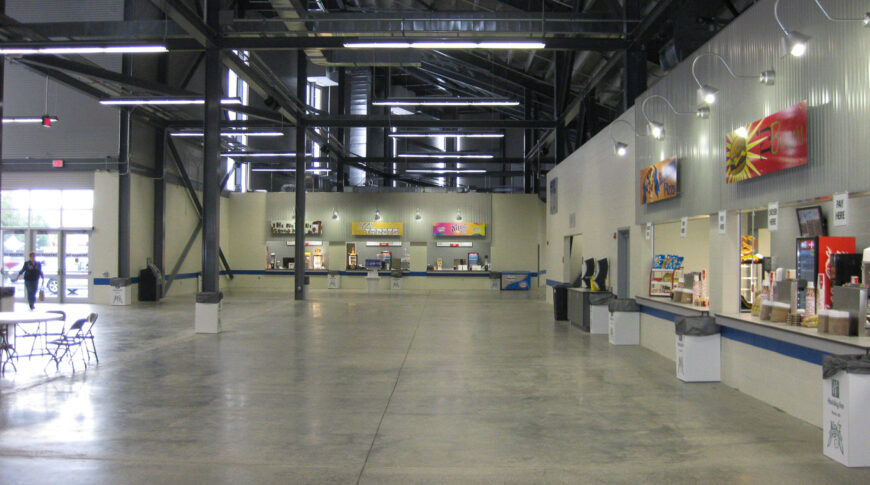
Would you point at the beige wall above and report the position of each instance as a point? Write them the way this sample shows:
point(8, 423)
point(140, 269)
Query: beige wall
point(515, 223)
point(695, 247)
point(104, 239)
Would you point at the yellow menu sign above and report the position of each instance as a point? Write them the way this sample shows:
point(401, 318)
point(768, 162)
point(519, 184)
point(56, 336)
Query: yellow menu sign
point(376, 228)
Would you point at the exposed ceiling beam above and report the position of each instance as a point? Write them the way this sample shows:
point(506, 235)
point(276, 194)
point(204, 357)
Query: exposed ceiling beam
point(59, 63)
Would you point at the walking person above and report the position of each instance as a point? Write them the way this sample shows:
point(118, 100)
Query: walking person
point(32, 276)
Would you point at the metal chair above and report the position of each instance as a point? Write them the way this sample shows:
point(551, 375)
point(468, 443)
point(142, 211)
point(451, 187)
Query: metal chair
point(88, 336)
point(69, 343)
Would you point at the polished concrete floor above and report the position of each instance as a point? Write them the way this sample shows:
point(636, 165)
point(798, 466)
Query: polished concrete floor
point(441, 387)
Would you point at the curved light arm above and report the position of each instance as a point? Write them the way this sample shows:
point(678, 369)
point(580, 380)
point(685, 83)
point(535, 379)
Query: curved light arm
point(633, 130)
point(724, 62)
point(645, 101)
point(834, 19)
point(778, 21)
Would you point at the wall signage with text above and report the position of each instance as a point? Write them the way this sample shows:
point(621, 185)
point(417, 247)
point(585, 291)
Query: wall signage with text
point(376, 228)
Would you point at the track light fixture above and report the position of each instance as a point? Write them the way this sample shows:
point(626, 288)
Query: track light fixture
point(377, 214)
point(621, 148)
point(656, 128)
point(418, 216)
point(458, 215)
point(334, 214)
point(707, 94)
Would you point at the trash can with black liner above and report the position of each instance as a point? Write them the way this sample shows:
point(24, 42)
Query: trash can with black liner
point(624, 322)
point(599, 313)
point(560, 301)
point(698, 352)
point(845, 421)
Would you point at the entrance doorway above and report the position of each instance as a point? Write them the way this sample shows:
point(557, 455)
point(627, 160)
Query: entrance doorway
point(65, 262)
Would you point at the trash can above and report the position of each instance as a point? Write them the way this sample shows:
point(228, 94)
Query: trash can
point(599, 313)
point(624, 322)
point(846, 424)
point(495, 281)
point(395, 280)
point(333, 280)
point(207, 314)
point(121, 291)
point(7, 299)
point(306, 283)
point(372, 281)
point(698, 352)
point(560, 302)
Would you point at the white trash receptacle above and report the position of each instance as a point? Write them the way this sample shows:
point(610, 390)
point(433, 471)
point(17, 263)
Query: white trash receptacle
point(599, 319)
point(698, 349)
point(333, 280)
point(121, 292)
point(845, 422)
point(372, 281)
point(624, 322)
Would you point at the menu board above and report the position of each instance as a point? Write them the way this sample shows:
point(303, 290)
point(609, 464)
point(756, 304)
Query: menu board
point(768, 145)
point(455, 229)
point(659, 181)
point(376, 228)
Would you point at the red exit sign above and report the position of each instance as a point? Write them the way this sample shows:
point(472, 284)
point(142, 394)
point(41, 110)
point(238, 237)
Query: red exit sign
point(57, 163)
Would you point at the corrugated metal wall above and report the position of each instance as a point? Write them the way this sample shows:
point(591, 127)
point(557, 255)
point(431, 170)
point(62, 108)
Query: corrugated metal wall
point(834, 78)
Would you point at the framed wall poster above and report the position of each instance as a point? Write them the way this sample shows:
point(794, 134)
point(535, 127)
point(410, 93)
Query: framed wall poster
point(777, 142)
point(658, 181)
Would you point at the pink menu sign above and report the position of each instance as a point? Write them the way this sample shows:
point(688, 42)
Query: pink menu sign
point(454, 229)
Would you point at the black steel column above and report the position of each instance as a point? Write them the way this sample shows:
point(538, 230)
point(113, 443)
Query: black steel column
point(342, 106)
point(634, 64)
point(2, 74)
point(124, 182)
point(159, 237)
point(558, 104)
point(211, 165)
point(301, 82)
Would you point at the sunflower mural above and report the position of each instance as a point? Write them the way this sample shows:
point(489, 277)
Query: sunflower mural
point(768, 145)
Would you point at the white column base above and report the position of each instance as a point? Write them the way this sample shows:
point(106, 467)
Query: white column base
point(207, 318)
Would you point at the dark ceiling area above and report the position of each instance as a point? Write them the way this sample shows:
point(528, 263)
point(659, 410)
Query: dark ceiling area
point(597, 56)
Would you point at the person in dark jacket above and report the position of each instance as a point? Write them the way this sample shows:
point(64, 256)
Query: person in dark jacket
point(32, 275)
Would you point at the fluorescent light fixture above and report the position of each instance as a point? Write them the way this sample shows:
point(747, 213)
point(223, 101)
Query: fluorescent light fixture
point(446, 45)
point(435, 101)
point(164, 101)
point(742, 132)
point(31, 120)
point(445, 171)
point(434, 134)
point(446, 155)
point(130, 49)
point(399, 111)
point(260, 154)
point(310, 170)
point(195, 134)
point(707, 94)
point(703, 112)
point(768, 78)
point(621, 149)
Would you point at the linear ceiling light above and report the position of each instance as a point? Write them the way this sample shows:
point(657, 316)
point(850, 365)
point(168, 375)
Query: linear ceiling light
point(163, 101)
point(46, 120)
point(130, 49)
point(446, 45)
point(260, 154)
point(444, 171)
point(434, 134)
point(194, 134)
point(446, 155)
point(433, 101)
point(310, 170)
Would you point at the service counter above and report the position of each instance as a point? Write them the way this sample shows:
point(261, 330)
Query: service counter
point(356, 280)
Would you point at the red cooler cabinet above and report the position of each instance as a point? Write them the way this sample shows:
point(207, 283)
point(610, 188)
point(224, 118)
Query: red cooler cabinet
point(814, 257)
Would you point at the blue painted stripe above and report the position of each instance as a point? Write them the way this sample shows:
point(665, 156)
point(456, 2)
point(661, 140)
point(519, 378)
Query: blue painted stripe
point(556, 282)
point(262, 272)
point(788, 349)
point(663, 314)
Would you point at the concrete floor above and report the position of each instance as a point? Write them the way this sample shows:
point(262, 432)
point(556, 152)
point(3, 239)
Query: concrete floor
point(465, 387)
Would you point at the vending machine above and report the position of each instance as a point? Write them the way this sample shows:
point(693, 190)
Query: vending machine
point(814, 258)
point(473, 259)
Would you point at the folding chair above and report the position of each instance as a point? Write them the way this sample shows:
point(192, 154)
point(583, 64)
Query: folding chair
point(69, 343)
point(88, 336)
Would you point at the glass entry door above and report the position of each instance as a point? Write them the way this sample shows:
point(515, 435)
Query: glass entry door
point(75, 273)
point(46, 245)
point(13, 255)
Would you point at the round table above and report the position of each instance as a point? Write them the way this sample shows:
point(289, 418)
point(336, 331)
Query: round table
point(11, 319)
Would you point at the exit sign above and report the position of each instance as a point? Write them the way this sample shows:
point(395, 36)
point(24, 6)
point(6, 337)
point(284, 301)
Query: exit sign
point(57, 163)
